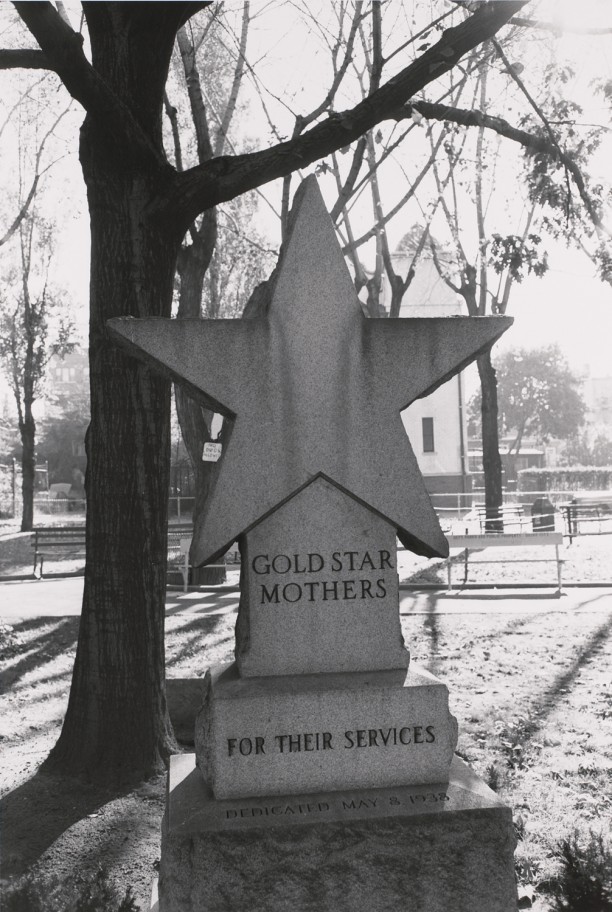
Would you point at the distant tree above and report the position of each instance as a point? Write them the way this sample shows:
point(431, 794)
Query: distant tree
point(61, 441)
point(602, 450)
point(579, 451)
point(34, 324)
point(221, 259)
point(538, 395)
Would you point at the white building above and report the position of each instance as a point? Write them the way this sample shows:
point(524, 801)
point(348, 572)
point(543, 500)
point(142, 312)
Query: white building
point(436, 425)
point(598, 397)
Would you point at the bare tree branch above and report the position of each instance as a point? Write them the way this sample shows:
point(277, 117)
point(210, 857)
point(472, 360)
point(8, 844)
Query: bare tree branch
point(402, 202)
point(351, 247)
point(302, 121)
point(536, 107)
point(530, 141)
point(222, 178)
point(172, 115)
point(63, 49)
point(23, 211)
point(24, 58)
point(194, 91)
point(422, 34)
point(20, 101)
point(238, 72)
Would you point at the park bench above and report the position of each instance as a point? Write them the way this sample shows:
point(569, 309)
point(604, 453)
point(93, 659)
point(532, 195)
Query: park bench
point(511, 514)
point(179, 542)
point(586, 518)
point(54, 541)
point(506, 540)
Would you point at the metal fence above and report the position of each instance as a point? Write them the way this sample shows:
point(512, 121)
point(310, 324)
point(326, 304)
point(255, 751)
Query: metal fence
point(571, 512)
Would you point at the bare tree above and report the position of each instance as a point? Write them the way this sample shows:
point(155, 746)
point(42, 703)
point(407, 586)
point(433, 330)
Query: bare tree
point(34, 325)
point(141, 207)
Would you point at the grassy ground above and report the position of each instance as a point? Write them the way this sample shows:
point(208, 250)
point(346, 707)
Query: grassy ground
point(531, 689)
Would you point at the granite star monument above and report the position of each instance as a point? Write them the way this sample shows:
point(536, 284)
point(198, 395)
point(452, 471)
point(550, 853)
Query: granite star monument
point(324, 774)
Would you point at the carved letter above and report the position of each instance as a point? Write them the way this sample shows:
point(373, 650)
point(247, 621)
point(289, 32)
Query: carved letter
point(271, 596)
point(311, 562)
point(381, 590)
point(266, 566)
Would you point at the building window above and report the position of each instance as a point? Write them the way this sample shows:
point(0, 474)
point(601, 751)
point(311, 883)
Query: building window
point(428, 435)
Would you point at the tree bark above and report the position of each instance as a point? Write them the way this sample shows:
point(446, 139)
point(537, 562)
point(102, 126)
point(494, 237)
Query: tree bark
point(491, 460)
point(117, 726)
point(27, 430)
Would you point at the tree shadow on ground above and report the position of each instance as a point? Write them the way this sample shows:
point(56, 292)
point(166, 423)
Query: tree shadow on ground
point(543, 704)
point(433, 617)
point(37, 812)
point(547, 701)
point(198, 630)
point(587, 604)
point(206, 604)
point(55, 638)
point(52, 683)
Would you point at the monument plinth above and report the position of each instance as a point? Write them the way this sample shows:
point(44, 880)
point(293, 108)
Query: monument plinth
point(416, 848)
point(320, 753)
point(259, 736)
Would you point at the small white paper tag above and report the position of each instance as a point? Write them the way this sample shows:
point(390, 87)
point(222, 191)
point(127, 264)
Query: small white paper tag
point(211, 452)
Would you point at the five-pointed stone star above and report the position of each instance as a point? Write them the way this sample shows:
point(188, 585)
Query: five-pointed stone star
point(314, 389)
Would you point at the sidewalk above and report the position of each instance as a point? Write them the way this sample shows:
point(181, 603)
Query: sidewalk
point(62, 598)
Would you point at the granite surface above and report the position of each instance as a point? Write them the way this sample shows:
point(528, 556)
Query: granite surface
point(314, 389)
point(294, 734)
point(319, 589)
point(430, 848)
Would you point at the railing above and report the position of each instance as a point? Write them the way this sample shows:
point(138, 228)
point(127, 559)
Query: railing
point(45, 505)
point(573, 512)
point(180, 507)
point(459, 502)
point(516, 511)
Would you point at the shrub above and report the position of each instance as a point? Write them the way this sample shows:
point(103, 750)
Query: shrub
point(39, 894)
point(493, 777)
point(584, 883)
point(567, 478)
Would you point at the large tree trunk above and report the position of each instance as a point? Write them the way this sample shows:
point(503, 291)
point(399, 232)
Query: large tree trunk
point(27, 430)
point(491, 459)
point(116, 719)
point(117, 726)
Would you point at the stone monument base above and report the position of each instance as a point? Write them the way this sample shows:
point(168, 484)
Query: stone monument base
point(432, 848)
point(313, 733)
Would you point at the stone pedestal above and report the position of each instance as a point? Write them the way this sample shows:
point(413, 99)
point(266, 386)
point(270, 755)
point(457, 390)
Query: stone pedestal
point(271, 735)
point(432, 848)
